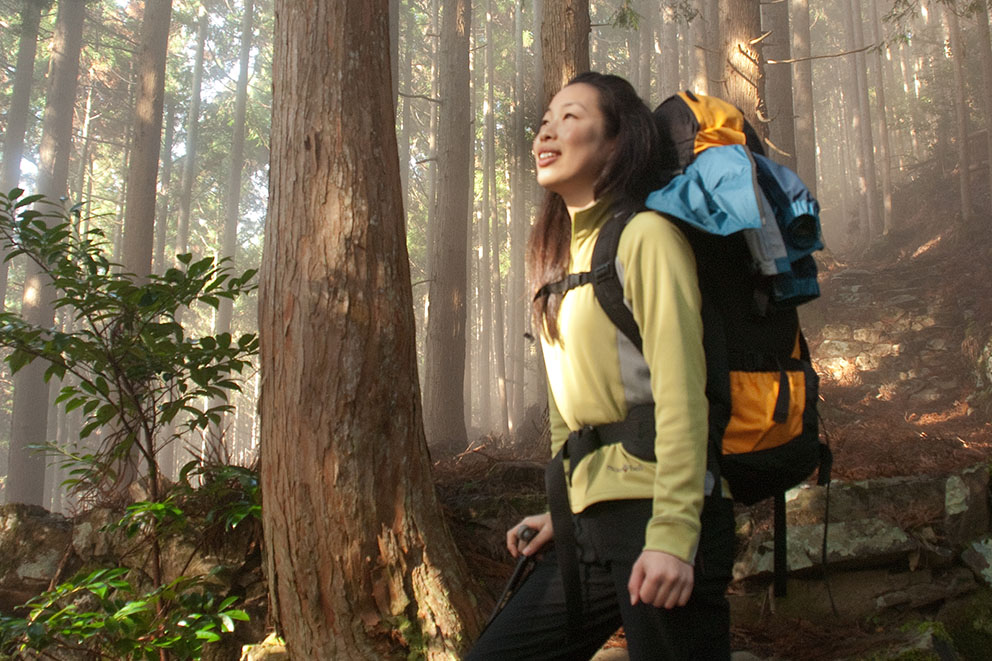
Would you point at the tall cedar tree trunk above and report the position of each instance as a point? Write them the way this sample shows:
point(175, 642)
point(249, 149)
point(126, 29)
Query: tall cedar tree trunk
point(884, 149)
point(473, 301)
point(802, 93)
point(360, 563)
point(564, 43)
point(741, 60)
point(985, 46)
point(26, 468)
point(232, 198)
point(960, 111)
point(18, 113)
point(518, 232)
point(485, 288)
point(139, 207)
point(782, 133)
point(856, 121)
point(496, 244)
point(867, 137)
point(192, 138)
point(444, 404)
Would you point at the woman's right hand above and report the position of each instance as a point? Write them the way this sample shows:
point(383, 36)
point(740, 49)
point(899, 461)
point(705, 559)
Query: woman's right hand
point(539, 522)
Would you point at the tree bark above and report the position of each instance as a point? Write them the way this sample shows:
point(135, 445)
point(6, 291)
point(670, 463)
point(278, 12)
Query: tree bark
point(564, 43)
point(782, 133)
point(645, 31)
point(360, 563)
point(139, 207)
point(444, 405)
point(802, 94)
point(18, 114)
point(742, 60)
point(26, 468)
point(669, 53)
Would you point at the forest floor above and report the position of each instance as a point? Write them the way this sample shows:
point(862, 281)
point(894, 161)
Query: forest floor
point(905, 417)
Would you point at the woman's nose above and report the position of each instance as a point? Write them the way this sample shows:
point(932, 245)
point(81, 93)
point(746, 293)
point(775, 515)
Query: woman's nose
point(546, 132)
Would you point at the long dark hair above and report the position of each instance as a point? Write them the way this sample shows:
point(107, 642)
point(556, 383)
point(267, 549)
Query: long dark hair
point(628, 176)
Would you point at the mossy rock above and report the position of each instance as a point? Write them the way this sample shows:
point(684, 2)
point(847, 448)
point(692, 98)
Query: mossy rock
point(969, 624)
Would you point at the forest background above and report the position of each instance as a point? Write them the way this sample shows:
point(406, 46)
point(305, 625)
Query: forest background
point(888, 95)
point(863, 98)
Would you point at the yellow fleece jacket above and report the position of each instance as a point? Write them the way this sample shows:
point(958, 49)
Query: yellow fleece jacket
point(595, 375)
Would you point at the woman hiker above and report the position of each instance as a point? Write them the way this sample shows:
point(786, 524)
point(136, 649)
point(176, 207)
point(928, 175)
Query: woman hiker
point(628, 549)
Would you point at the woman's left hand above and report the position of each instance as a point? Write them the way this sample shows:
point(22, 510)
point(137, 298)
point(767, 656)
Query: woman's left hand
point(660, 579)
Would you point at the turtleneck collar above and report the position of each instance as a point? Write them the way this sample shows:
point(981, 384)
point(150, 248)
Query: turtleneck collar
point(590, 220)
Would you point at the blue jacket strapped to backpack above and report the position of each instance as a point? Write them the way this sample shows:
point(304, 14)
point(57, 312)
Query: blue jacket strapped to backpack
point(727, 189)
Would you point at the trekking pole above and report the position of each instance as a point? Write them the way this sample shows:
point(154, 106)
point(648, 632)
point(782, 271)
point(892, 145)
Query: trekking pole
point(524, 536)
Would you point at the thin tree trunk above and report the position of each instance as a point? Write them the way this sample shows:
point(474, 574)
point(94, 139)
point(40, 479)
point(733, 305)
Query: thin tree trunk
point(518, 228)
point(484, 273)
point(26, 468)
point(985, 46)
point(444, 406)
point(352, 524)
point(802, 94)
point(192, 138)
point(960, 112)
point(232, 197)
point(669, 53)
point(498, 315)
point(84, 157)
point(885, 150)
point(18, 114)
point(867, 138)
point(165, 189)
point(855, 113)
point(646, 33)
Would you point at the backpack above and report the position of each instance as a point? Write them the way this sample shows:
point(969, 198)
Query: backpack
point(753, 227)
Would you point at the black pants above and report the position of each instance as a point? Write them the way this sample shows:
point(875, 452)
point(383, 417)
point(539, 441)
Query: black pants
point(610, 537)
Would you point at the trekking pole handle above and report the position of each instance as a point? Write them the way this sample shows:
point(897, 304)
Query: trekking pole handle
point(524, 534)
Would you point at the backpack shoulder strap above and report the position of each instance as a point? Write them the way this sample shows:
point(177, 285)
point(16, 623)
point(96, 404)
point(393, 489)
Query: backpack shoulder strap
point(606, 282)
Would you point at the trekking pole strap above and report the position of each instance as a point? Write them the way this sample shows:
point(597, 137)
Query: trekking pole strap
point(566, 549)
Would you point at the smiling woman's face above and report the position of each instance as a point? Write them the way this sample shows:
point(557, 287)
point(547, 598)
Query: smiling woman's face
point(571, 147)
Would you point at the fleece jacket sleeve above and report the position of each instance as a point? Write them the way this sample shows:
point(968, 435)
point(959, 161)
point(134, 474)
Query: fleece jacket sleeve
point(662, 290)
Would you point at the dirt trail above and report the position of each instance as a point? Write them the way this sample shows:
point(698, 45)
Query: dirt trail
point(897, 337)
